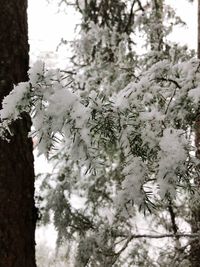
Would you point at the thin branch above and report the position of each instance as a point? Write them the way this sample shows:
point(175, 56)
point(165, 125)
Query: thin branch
point(172, 216)
point(169, 80)
point(159, 236)
point(193, 235)
point(131, 237)
point(130, 16)
point(177, 86)
point(171, 98)
point(140, 5)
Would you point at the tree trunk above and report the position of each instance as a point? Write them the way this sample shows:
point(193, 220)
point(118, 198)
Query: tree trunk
point(195, 220)
point(17, 210)
point(156, 33)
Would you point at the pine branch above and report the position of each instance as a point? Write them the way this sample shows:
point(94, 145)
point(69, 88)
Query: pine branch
point(158, 236)
point(149, 236)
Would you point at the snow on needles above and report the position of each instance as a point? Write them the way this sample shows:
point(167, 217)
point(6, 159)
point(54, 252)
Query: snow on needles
point(146, 122)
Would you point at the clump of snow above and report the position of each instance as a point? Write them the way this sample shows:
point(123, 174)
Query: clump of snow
point(171, 159)
point(195, 94)
point(35, 73)
point(15, 102)
point(135, 175)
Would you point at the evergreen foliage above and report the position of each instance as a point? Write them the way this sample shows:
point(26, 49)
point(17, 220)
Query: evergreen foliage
point(118, 128)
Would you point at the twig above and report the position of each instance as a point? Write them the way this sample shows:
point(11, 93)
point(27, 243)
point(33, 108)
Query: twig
point(193, 235)
point(172, 216)
point(171, 98)
point(130, 16)
point(140, 5)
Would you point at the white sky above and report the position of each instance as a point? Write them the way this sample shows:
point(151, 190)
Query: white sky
point(47, 26)
point(188, 12)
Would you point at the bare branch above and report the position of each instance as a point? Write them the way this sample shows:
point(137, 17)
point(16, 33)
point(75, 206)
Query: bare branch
point(149, 236)
point(172, 216)
point(192, 235)
point(140, 5)
point(171, 98)
point(169, 80)
point(131, 16)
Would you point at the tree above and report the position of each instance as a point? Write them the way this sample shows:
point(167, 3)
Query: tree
point(17, 211)
point(118, 129)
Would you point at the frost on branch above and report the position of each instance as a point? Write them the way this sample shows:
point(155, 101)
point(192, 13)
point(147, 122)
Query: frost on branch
point(146, 126)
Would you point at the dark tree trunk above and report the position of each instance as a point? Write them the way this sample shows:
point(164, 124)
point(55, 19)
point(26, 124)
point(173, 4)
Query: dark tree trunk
point(156, 34)
point(17, 210)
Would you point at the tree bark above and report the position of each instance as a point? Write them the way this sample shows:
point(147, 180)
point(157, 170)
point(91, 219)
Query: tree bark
point(17, 210)
point(156, 34)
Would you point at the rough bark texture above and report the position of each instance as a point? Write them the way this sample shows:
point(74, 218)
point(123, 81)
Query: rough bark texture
point(17, 210)
point(195, 221)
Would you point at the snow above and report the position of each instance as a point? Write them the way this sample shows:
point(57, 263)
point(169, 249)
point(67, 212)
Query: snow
point(57, 110)
point(35, 72)
point(143, 115)
point(172, 158)
point(135, 175)
point(15, 102)
point(195, 94)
